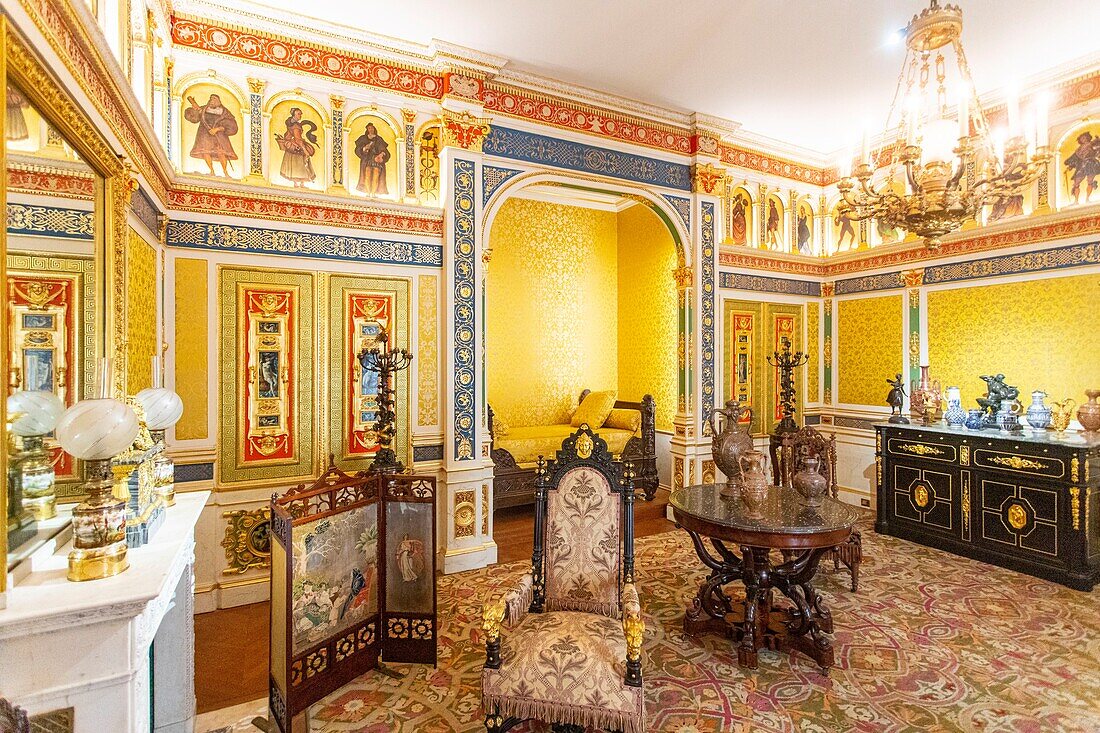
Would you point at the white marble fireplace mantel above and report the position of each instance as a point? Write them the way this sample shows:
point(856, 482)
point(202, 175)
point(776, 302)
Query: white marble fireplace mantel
point(119, 651)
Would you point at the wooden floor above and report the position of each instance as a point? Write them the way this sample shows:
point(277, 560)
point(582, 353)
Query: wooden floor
point(231, 644)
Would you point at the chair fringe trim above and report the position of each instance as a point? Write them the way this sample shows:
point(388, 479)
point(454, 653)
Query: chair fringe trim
point(567, 714)
point(516, 604)
point(603, 608)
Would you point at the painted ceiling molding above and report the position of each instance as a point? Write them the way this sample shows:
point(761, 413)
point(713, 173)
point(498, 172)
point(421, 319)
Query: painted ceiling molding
point(1072, 224)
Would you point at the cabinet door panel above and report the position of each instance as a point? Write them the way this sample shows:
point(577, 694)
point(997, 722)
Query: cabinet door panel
point(1018, 515)
point(926, 496)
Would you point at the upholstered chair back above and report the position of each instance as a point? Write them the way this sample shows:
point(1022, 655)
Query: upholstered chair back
point(582, 544)
point(584, 528)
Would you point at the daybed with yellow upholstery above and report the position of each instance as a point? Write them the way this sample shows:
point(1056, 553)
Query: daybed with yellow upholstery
point(627, 427)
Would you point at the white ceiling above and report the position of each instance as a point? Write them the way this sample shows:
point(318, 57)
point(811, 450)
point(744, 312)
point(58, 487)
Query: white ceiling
point(808, 72)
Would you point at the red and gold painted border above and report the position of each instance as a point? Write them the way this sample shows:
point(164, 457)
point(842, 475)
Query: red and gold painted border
point(262, 207)
point(54, 183)
point(757, 161)
point(284, 53)
point(269, 323)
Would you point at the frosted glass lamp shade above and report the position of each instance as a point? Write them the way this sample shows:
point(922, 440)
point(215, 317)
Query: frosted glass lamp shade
point(163, 407)
point(40, 412)
point(97, 429)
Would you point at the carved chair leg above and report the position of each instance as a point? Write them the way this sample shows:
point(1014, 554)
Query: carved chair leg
point(855, 574)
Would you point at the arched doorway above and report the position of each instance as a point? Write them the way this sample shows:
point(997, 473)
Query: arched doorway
point(581, 293)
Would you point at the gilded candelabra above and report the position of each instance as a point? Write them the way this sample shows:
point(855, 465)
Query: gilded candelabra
point(787, 362)
point(385, 362)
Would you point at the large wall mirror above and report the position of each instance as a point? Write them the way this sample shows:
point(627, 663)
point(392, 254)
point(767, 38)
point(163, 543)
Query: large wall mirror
point(61, 185)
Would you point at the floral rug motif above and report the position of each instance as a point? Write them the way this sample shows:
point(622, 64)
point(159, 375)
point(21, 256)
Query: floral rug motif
point(931, 642)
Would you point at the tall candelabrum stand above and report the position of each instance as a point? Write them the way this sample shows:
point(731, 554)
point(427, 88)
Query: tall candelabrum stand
point(786, 361)
point(385, 362)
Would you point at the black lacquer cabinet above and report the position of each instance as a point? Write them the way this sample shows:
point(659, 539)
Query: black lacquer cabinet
point(1026, 501)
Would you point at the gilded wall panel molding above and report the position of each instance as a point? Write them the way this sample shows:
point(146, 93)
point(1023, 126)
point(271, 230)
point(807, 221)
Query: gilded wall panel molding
point(427, 347)
point(813, 349)
point(266, 369)
point(356, 307)
point(708, 315)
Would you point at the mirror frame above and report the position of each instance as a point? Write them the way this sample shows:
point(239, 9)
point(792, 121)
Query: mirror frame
point(116, 183)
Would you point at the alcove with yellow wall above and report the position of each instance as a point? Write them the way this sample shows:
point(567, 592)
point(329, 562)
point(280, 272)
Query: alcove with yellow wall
point(578, 298)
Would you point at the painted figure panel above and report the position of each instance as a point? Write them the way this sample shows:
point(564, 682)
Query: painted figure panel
point(805, 230)
point(298, 135)
point(410, 572)
point(845, 235)
point(740, 217)
point(373, 157)
point(213, 135)
point(773, 224)
point(1080, 155)
point(335, 575)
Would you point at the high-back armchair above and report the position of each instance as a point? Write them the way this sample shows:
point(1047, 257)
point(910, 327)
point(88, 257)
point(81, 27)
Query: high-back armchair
point(794, 449)
point(572, 653)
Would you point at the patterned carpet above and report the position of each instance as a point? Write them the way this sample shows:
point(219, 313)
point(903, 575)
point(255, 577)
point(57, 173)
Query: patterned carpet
point(932, 642)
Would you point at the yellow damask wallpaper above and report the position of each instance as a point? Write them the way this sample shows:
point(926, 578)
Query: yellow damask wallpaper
point(647, 311)
point(192, 354)
point(427, 358)
point(813, 348)
point(141, 313)
point(1040, 334)
point(552, 309)
point(869, 348)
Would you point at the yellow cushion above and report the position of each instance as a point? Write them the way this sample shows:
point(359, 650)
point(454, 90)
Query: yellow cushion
point(594, 409)
point(616, 439)
point(624, 419)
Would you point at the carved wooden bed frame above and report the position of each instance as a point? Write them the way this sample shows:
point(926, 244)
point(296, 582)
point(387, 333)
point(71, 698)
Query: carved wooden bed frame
point(515, 486)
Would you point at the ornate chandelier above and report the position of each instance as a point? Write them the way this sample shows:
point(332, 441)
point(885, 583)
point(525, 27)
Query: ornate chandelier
point(948, 169)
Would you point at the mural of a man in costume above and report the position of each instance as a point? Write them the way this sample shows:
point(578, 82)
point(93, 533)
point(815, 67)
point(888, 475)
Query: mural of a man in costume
point(843, 219)
point(299, 145)
point(15, 124)
point(1083, 166)
point(373, 153)
point(739, 228)
point(771, 229)
point(216, 125)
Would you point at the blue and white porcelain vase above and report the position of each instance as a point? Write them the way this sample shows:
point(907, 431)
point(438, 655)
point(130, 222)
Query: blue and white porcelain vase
point(954, 415)
point(1038, 414)
point(974, 418)
point(1008, 417)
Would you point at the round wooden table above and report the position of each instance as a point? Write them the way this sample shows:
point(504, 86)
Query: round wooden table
point(800, 534)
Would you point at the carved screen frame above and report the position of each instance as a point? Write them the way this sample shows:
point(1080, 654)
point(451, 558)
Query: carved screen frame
point(114, 185)
point(297, 680)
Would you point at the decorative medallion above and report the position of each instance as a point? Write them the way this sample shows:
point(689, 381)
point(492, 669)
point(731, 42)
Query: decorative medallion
point(920, 495)
point(247, 540)
point(465, 513)
point(707, 178)
point(920, 449)
point(1017, 516)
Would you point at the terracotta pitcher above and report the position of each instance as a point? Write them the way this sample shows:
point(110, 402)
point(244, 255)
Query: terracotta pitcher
point(731, 440)
point(1088, 414)
point(754, 484)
